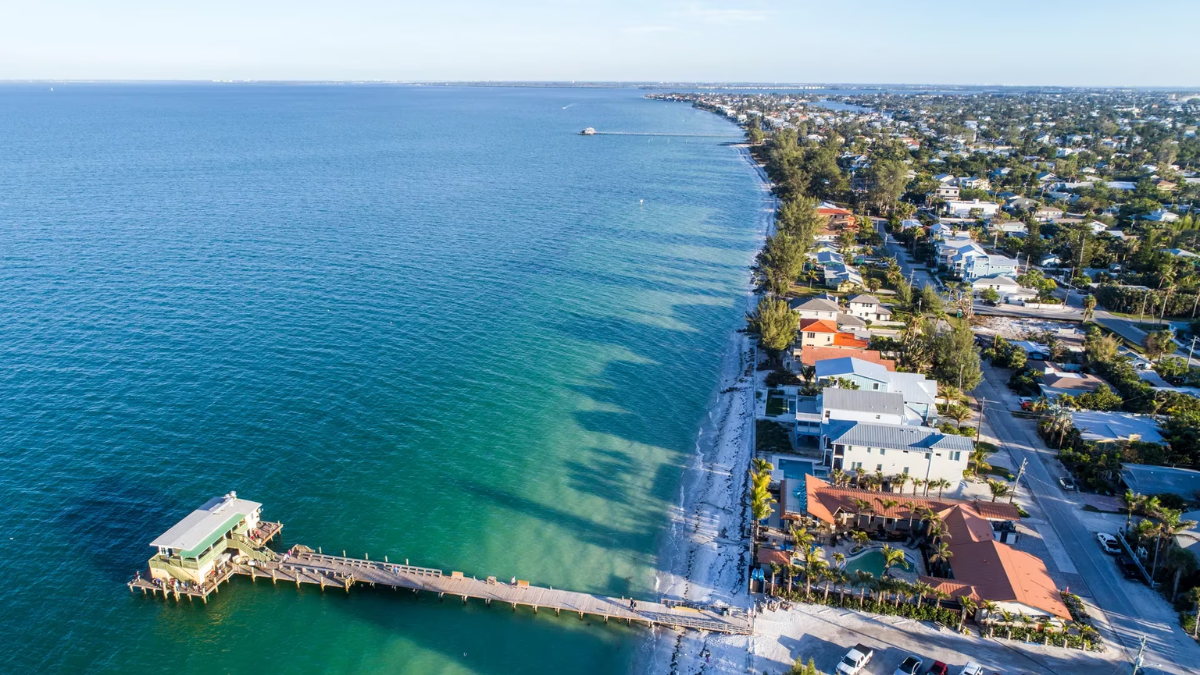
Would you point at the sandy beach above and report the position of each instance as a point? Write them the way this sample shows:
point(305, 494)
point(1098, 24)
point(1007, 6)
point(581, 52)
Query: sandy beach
point(705, 556)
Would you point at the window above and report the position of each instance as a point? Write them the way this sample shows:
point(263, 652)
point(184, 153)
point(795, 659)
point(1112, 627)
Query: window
point(875, 386)
point(877, 417)
point(812, 335)
point(955, 456)
point(882, 451)
point(906, 471)
point(879, 467)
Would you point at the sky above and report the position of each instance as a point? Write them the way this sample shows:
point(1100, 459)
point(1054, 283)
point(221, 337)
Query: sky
point(1019, 42)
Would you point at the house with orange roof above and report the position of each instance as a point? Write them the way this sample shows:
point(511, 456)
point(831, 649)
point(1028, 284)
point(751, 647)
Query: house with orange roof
point(817, 332)
point(980, 566)
point(839, 218)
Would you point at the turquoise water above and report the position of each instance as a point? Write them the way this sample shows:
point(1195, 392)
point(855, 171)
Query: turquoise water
point(428, 323)
point(871, 561)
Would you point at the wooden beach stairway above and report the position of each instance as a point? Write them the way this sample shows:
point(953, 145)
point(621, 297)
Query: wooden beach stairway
point(303, 565)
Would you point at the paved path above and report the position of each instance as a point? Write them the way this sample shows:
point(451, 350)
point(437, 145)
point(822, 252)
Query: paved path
point(1131, 608)
point(895, 249)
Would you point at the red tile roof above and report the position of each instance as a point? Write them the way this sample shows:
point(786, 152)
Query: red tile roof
point(818, 325)
point(983, 567)
point(848, 340)
point(812, 353)
point(829, 500)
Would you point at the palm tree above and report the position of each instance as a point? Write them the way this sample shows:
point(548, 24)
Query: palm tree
point(1007, 617)
point(998, 489)
point(938, 596)
point(792, 571)
point(979, 461)
point(814, 567)
point(829, 575)
point(837, 475)
point(863, 507)
point(1132, 501)
point(968, 607)
point(940, 555)
point(859, 472)
point(989, 609)
point(917, 483)
point(862, 580)
point(1170, 526)
point(911, 506)
point(839, 560)
point(941, 484)
point(898, 482)
point(920, 590)
point(888, 505)
point(892, 557)
point(860, 538)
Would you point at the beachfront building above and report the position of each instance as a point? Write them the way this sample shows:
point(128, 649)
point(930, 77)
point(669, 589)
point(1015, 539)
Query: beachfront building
point(982, 565)
point(197, 547)
point(816, 308)
point(919, 393)
point(894, 449)
point(869, 307)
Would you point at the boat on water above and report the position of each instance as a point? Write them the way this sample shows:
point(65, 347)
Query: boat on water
point(588, 132)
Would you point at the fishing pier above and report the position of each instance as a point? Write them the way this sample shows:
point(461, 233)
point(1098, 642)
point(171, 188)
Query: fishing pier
point(194, 560)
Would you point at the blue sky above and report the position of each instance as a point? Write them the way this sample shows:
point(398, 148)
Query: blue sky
point(1064, 42)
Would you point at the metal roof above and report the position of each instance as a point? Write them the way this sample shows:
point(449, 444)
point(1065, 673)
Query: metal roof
point(817, 304)
point(896, 437)
point(1155, 480)
point(858, 400)
point(849, 365)
point(206, 524)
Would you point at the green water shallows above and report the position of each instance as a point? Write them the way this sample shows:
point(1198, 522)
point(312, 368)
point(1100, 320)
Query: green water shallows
point(428, 323)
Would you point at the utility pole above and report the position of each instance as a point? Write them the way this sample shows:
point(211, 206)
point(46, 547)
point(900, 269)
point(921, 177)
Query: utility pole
point(1017, 482)
point(979, 429)
point(1137, 662)
point(1190, 354)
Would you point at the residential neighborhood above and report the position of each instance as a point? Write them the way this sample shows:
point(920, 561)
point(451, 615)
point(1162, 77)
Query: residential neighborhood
point(975, 332)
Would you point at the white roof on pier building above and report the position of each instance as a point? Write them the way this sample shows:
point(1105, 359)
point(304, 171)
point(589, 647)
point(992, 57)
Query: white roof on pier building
point(206, 524)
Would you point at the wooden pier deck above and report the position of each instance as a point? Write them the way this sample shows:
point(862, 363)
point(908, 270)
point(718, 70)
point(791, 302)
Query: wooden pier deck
point(302, 565)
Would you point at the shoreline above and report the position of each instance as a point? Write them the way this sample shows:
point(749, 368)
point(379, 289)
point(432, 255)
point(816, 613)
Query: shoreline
point(705, 555)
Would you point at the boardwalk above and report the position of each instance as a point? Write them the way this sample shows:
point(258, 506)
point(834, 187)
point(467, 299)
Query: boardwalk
point(302, 565)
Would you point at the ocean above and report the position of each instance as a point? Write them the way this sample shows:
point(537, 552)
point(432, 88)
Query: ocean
point(431, 323)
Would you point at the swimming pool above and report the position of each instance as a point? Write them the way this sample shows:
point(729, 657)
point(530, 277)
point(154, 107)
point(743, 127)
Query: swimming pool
point(871, 561)
point(794, 468)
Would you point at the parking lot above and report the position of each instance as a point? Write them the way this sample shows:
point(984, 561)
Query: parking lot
point(825, 634)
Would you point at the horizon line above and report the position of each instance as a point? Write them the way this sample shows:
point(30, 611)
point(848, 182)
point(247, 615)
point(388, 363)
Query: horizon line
point(729, 84)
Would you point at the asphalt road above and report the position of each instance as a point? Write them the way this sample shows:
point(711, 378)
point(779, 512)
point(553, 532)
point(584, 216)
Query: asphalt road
point(896, 250)
point(1132, 608)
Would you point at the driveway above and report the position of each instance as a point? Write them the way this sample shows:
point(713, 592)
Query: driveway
point(1132, 609)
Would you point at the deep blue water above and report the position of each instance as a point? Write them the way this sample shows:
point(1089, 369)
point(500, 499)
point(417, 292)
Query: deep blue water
point(429, 323)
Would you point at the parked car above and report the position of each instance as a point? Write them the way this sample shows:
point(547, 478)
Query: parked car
point(1067, 484)
point(1128, 567)
point(1026, 402)
point(939, 668)
point(1108, 543)
point(971, 668)
point(911, 665)
point(855, 660)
